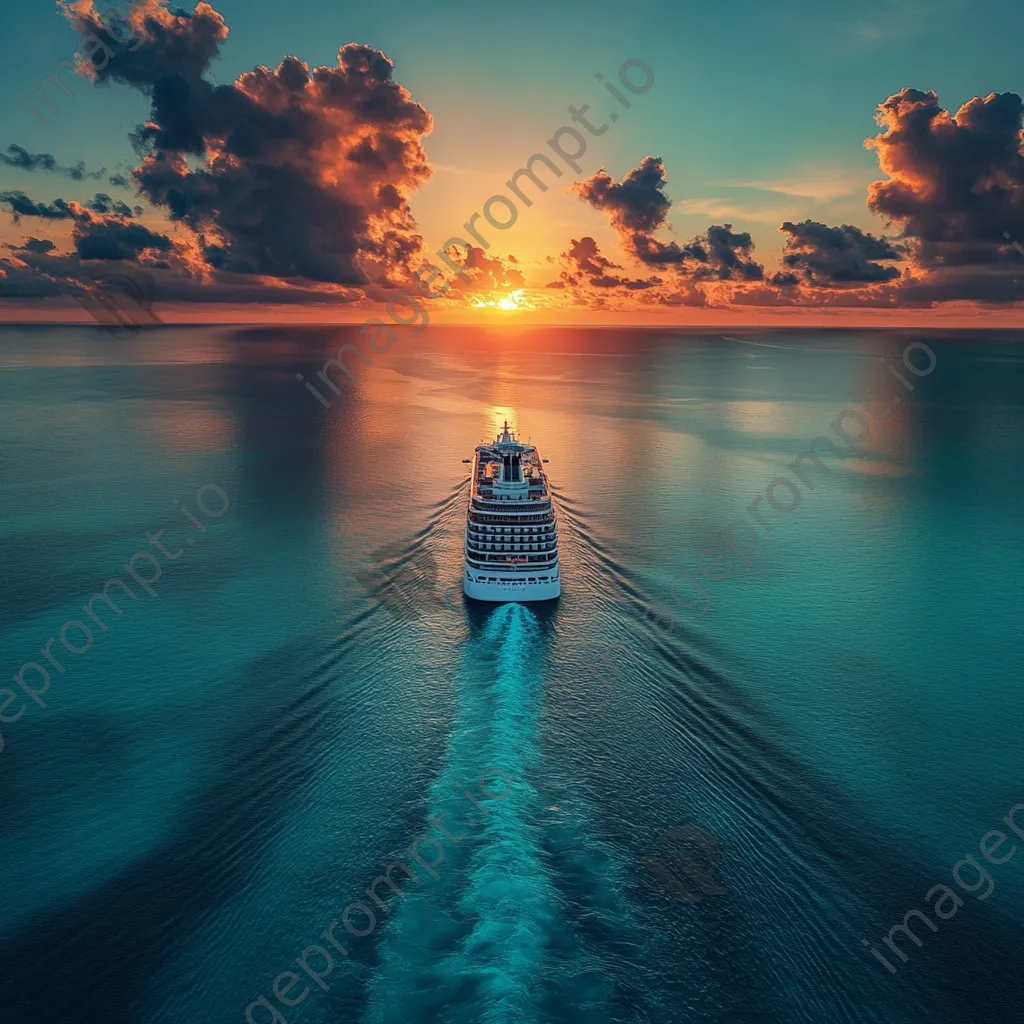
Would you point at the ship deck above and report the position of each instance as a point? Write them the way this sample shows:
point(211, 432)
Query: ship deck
point(488, 469)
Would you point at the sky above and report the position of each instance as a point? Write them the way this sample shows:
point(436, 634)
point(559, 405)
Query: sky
point(735, 188)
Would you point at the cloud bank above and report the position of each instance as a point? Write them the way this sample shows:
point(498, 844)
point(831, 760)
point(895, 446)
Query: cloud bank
point(293, 184)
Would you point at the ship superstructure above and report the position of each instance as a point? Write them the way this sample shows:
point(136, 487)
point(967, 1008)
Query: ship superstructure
point(511, 539)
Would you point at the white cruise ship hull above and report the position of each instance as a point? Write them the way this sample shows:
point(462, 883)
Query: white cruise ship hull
point(511, 589)
point(511, 535)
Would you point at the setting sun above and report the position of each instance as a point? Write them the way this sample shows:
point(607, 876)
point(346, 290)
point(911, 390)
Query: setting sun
point(511, 301)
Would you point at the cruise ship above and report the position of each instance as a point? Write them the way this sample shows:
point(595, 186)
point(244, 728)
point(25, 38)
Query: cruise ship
point(511, 542)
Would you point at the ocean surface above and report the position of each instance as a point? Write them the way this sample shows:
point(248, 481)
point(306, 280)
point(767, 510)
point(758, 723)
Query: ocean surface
point(652, 813)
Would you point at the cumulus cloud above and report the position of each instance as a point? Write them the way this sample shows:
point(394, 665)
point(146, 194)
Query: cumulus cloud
point(955, 187)
point(34, 270)
point(485, 273)
point(955, 191)
point(585, 257)
point(17, 156)
point(728, 255)
point(952, 178)
point(638, 206)
point(686, 293)
point(287, 185)
point(586, 274)
point(19, 205)
point(102, 203)
point(161, 44)
point(111, 238)
point(828, 257)
point(290, 172)
point(103, 228)
point(39, 245)
point(637, 203)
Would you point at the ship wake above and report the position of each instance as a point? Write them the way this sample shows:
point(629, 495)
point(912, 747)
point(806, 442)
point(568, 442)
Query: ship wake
point(478, 943)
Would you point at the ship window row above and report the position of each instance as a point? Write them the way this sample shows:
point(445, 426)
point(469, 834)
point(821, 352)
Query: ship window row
point(475, 545)
point(544, 530)
point(503, 550)
point(476, 517)
point(517, 530)
point(517, 539)
point(510, 506)
point(482, 561)
point(495, 561)
point(511, 548)
point(506, 497)
point(492, 510)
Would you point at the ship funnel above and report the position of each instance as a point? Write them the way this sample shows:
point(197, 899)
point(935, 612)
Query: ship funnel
point(512, 470)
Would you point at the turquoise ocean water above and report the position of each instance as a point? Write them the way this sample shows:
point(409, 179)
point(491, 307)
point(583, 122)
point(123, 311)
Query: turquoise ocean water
point(663, 813)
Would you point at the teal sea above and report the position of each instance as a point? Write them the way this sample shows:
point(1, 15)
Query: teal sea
point(613, 809)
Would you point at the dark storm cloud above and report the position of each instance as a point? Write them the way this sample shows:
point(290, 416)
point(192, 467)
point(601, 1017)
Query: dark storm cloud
point(302, 172)
point(16, 156)
point(828, 257)
point(119, 181)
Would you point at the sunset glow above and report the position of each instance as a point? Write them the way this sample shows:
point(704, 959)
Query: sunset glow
point(512, 301)
point(367, 189)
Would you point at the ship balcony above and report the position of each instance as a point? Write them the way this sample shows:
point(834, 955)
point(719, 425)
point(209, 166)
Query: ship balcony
point(483, 516)
point(506, 543)
point(497, 537)
point(514, 549)
point(519, 505)
point(512, 531)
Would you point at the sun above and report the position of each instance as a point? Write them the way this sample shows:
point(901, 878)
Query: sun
point(510, 302)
